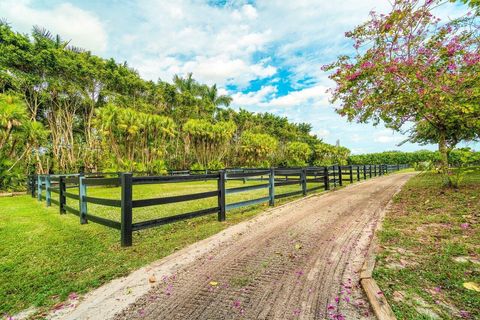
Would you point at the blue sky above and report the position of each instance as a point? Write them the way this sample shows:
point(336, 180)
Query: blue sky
point(266, 54)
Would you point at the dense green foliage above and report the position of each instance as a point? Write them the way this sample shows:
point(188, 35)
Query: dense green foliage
point(457, 157)
point(66, 110)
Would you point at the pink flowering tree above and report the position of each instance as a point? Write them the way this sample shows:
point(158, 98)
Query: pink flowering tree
point(416, 73)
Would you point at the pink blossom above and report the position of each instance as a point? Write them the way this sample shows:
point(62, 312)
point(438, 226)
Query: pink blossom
point(236, 304)
point(367, 64)
point(452, 67)
point(73, 296)
point(392, 69)
point(353, 76)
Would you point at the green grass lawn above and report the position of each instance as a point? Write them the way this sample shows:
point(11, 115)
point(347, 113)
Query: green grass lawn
point(430, 248)
point(45, 256)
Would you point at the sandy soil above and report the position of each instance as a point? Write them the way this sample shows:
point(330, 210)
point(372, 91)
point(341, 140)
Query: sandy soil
point(301, 261)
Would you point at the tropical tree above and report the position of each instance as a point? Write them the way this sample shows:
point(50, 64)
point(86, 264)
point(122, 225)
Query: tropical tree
point(137, 140)
point(298, 154)
point(257, 149)
point(412, 71)
point(209, 141)
point(20, 139)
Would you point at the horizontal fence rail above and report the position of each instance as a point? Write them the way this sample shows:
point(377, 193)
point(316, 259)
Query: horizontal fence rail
point(73, 187)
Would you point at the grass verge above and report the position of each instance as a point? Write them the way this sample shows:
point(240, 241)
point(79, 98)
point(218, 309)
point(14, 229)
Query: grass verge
point(430, 250)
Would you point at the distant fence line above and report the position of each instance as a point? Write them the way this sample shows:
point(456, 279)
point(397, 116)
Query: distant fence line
point(327, 177)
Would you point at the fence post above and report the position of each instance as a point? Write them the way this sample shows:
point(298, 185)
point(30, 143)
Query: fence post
point(370, 170)
point(126, 215)
point(221, 195)
point(271, 187)
point(358, 173)
point(82, 193)
point(32, 186)
point(304, 181)
point(340, 178)
point(334, 176)
point(39, 188)
point(374, 170)
point(48, 192)
point(398, 167)
point(61, 194)
point(364, 172)
point(326, 178)
point(351, 173)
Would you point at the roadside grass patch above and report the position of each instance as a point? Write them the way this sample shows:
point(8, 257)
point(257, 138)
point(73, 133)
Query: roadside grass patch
point(430, 247)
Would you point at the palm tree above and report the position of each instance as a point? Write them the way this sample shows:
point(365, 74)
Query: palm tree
point(210, 94)
point(187, 84)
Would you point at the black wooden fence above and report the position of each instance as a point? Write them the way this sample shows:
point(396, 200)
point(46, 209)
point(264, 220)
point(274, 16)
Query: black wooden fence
point(324, 177)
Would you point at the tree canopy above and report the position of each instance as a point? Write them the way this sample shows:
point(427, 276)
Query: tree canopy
point(415, 73)
point(65, 110)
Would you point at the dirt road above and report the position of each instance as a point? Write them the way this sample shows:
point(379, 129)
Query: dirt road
point(301, 263)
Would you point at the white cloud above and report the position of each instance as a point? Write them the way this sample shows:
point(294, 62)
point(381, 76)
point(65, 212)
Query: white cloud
point(356, 137)
point(82, 27)
point(254, 98)
point(322, 133)
point(216, 43)
point(388, 136)
point(221, 43)
point(312, 96)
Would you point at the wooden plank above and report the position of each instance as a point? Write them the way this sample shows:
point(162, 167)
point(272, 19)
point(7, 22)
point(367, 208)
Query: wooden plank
point(104, 221)
point(54, 190)
point(161, 221)
point(289, 194)
point(104, 202)
point(72, 210)
point(248, 174)
point(173, 199)
point(271, 187)
point(170, 179)
point(222, 195)
point(316, 188)
point(101, 181)
point(379, 303)
point(286, 183)
point(71, 180)
point(247, 188)
point(72, 196)
point(289, 173)
point(247, 203)
point(82, 204)
point(126, 213)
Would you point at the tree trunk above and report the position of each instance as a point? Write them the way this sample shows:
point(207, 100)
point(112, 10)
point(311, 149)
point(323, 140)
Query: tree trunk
point(443, 150)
